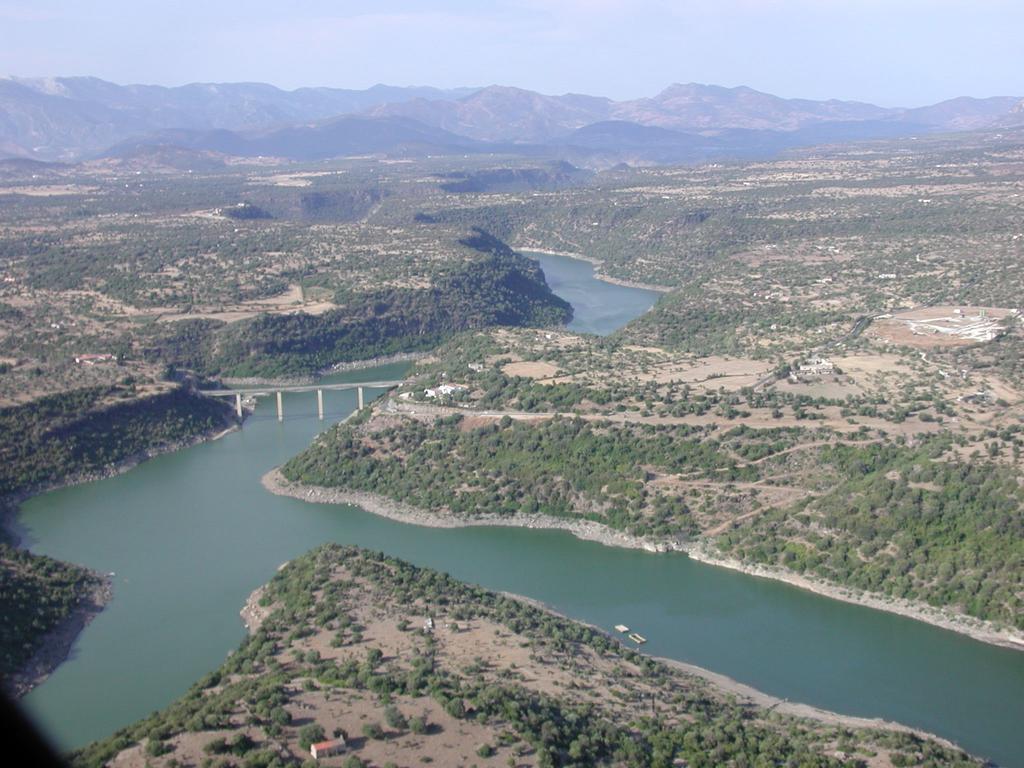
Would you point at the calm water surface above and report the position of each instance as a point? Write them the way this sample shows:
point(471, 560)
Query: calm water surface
point(598, 307)
point(190, 534)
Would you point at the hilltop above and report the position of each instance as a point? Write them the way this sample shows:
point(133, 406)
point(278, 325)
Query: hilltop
point(81, 117)
point(405, 663)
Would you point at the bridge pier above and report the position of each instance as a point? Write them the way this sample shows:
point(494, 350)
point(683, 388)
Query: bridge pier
point(361, 395)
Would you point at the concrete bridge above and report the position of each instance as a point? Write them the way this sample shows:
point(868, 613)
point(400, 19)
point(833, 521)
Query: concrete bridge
point(318, 388)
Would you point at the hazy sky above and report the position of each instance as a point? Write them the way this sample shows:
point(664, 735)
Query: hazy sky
point(891, 52)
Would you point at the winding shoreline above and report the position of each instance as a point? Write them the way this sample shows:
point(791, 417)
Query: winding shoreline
point(382, 506)
point(794, 708)
point(253, 615)
point(749, 694)
point(55, 646)
point(597, 263)
point(10, 506)
point(977, 629)
point(587, 530)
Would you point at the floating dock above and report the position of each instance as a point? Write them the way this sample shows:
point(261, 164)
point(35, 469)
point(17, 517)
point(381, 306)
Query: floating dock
point(621, 628)
point(638, 639)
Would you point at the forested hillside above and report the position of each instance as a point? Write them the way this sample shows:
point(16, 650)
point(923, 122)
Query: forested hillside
point(85, 432)
point(36, 594)
point(903, 523)
point(498, 287)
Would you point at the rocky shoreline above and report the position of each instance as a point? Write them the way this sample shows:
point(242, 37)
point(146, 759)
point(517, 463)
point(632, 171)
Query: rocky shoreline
point(587, 530)
point(796, 709)
point(253, 614)
point(597, 274)
point(373, 362)
point(977, 629)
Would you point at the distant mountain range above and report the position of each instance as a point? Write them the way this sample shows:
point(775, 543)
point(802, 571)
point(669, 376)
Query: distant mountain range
point(500, 113)
point(74, 118)
point(343, 136)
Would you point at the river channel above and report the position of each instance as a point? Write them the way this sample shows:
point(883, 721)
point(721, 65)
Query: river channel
point(189, 535)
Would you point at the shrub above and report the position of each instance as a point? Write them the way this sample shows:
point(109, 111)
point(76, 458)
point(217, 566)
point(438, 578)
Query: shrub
point(310, 734)
point(394, 718)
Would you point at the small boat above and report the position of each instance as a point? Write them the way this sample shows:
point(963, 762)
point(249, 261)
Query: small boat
point(638, 639)
point(621, 628)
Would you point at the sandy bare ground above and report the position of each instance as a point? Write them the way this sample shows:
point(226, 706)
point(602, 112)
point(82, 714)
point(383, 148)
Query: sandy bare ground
point(739, 372)
point(49, 190)
point(301, 179)
point(965, 311)
point(540, 355)
point(291, 301)
point(531, 369)
point(834, 387)
point(942, 326)
point(707, 374)
point(234, 315)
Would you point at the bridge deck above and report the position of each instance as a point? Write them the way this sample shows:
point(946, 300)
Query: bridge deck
point(271, 388)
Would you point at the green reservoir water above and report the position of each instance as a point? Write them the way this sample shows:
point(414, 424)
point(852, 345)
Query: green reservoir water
point(190, 534)
point(598, 307)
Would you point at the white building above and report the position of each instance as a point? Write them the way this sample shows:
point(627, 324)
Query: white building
point(327, 748)
point(817, 366)
point(444, 389)
point(93, 359)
